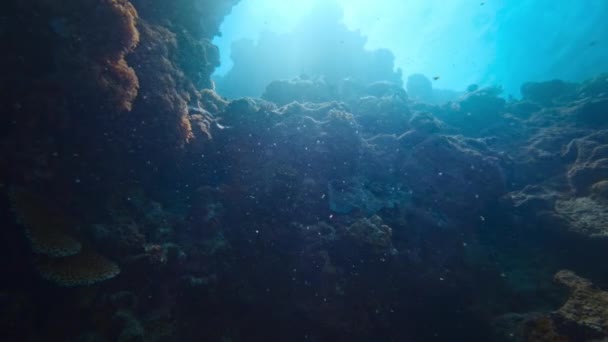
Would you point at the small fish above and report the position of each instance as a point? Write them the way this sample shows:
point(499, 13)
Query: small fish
point(481, 4)
point(593, 43)
point(436, 78)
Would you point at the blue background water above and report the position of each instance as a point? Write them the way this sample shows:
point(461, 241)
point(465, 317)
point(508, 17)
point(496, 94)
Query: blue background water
point(495, 42)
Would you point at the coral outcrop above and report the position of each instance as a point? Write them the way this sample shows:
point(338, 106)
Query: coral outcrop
point(164, 87)
point(584, 316)
point(97, 59)
point(586, 309)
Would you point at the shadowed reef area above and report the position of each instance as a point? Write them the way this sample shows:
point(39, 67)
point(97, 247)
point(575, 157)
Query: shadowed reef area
point(138, 204)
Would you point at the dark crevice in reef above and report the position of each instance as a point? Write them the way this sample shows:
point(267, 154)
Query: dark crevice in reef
point(139, 205)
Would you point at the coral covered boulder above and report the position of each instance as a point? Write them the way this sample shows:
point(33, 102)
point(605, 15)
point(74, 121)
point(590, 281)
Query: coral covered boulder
point(586, 309)
point(584, 316)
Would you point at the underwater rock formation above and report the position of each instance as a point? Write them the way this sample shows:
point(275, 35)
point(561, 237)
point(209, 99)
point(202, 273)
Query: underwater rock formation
point(112, 83)
point(589, 166)
point(583, 317)
point(477, 113)
point(585, 216)
point(548, 93)
point(587, 307)
point(112, 80)
point(334, 208)
point(96, 59)
point(164, 89)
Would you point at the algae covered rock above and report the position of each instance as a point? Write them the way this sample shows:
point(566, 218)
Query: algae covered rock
point(583, 317)
point(590, 161)
point(585, 313)
point(584, 216)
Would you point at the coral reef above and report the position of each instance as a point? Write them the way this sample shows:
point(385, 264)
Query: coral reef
point(587, 307)
point(582, 318)
point(163, 86)
point(96, 58)
point(584, 216)
point(337, 207)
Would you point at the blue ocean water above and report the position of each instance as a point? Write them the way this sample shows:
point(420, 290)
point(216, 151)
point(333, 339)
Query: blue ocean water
point(304, 171)
point(504, 43)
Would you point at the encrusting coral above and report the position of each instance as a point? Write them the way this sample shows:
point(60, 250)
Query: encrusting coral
point(44, 226)
point(96, 57)
point(165, 93)
point(115, 76)
point(86, 268)
point(63, 259)
point(584, 316)
point(587, 307)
